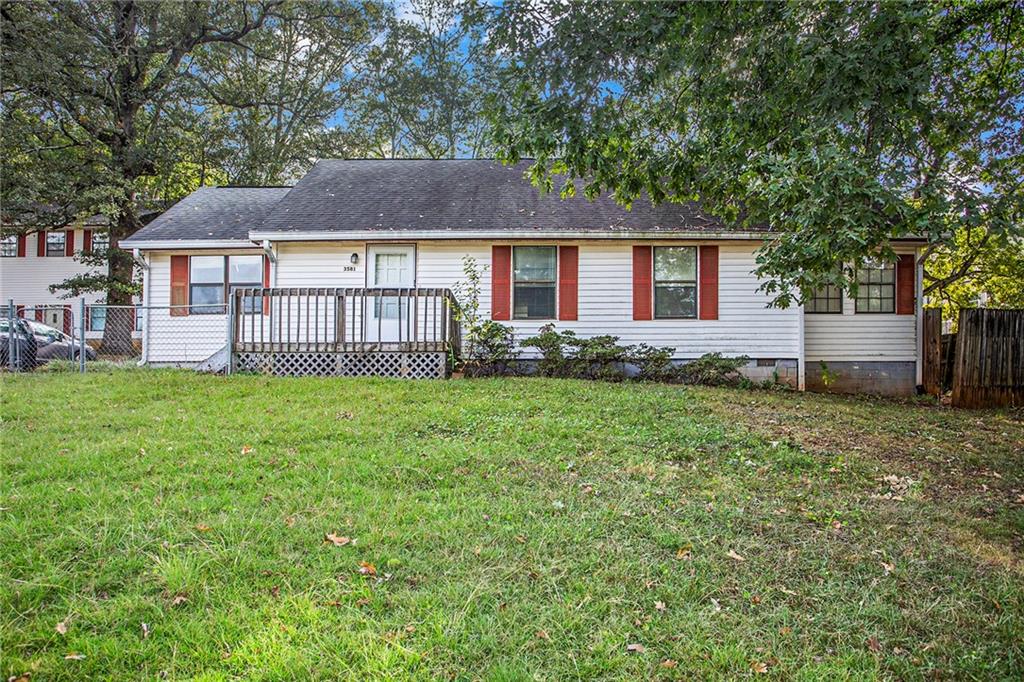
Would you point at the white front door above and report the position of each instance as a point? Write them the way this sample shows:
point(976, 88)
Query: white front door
point(389, 267)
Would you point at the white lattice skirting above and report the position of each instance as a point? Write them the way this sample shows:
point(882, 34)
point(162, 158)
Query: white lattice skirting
point(405, 365)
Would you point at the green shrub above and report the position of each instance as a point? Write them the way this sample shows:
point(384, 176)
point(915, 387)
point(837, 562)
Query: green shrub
point(488, 347)
point(653, 363)
point(713, 369)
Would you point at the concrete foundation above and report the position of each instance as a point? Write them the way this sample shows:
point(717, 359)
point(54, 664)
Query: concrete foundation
point(880, 378)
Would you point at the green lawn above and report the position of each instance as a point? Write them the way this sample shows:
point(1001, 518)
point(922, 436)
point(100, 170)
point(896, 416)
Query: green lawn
point(506, 530)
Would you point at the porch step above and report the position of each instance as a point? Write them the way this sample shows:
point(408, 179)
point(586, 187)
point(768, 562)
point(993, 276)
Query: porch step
point(216, 363)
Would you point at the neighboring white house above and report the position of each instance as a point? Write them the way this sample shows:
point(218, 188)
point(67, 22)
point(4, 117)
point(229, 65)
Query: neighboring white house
point(665, 275)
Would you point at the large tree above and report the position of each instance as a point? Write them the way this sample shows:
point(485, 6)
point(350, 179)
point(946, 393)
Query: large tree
point(842, 126)
point(99, 81)
point(423, 86)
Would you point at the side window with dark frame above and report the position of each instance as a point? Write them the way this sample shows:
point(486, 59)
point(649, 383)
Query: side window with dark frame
point(826, 299)
point(55, 244)
point(675, 282)
point(534, 278)
point(876, 287)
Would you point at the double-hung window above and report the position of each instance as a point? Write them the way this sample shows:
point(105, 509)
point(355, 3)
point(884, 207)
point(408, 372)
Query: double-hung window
point(97, 318)
point(211, 278)
point(55, 244)
point(534, 277)
point(876, 287)
point(826, 299)
point(675, 282)
point(100, 241)
point(247, 272)
point(9, 246)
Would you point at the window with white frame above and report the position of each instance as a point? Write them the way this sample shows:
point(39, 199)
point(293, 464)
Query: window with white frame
point(212, 277)
point(535, 278)
point(9, 246)
point(876, 287)
point(97, 318)
point(100, 241)
point(55, 244)
point(675, 282)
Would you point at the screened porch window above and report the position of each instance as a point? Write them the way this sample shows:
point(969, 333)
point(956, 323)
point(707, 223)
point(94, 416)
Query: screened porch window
point(534, 274)
point(876, 287)
point(675, 282)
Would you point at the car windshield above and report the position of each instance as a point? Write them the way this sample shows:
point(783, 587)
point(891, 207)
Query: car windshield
point(44, 330)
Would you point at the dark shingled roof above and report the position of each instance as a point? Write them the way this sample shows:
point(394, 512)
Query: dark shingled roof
point(457, 195)
point(213, 213)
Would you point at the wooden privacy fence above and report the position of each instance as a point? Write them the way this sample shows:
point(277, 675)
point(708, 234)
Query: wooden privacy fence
point(989, 366)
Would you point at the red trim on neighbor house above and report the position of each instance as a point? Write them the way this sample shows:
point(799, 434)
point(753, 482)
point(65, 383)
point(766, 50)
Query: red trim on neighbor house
point(69, 243)
point(86, 240)
point(643, 285)
point(707, 288)
point(41, 244)
point(19, 311)
point(568, 282)
point(179, 285)
point(39, 313)
point(501, 282)
point(21, 246)
point(905, 284)
point(69, 319)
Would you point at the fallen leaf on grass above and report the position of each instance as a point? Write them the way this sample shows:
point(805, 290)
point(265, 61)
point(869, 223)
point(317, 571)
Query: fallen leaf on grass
point(669, 663)
point(203, 528)
point(889, 568)
point(363, 601)
point(874, 644)
point(179, 599)
point(246, 449)
point(289, 521)
point(145, 631)
point(715, 605)
point(24, 677)
point(684, 553)
point(759, 667)
point(337, 540)
point(733, 555)
point(74, 656)
point(785, 630)
point(635, 648)
point(62, 627)
point(659, 605)
point(410, 628)
point(789, 592)
point(543, 634)
point(366, 568)
point(275, 591)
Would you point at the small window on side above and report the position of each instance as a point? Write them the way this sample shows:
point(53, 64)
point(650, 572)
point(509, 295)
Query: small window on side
point(206, 285)
point(826, 299)
point(876, 287)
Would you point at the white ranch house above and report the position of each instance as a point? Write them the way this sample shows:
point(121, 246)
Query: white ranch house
point(371, 244)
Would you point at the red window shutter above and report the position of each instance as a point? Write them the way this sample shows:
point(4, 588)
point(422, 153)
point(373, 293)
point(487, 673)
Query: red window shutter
point(707, 286)
point(20, 311)
point(41, 244)
point(568, 282)
point(69, 243)
point(501, 282)
point(179, 285)
point(905, 284)
point(39, 313)
point(643, 290)
point(21, 246)
point(266, 283)
point(86, 240)
point(68, 319)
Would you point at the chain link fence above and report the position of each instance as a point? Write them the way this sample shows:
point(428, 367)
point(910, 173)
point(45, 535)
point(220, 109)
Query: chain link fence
point(84, 336)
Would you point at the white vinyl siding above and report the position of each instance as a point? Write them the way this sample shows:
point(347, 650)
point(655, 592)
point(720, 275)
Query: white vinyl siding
point(860, 337)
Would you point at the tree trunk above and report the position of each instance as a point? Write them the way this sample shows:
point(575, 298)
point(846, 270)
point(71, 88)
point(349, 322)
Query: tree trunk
point(120, 320)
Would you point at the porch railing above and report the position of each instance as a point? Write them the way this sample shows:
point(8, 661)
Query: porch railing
point(342, 320)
